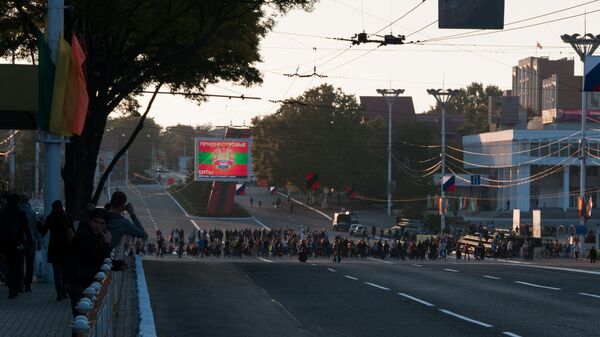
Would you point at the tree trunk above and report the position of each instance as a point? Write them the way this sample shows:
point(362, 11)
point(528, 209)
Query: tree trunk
point(80, 163)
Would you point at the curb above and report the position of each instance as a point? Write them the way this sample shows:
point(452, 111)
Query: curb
point(146, 323)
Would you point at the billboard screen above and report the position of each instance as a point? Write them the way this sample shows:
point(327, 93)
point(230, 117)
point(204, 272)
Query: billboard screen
point(223, 159)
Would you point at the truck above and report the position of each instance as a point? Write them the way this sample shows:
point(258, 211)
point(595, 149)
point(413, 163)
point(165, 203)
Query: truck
point(343, 220)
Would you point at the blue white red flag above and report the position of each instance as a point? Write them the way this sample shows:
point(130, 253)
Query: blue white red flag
point(448, 183)
point(592, 73)
point(240, 189)
point(273, 190)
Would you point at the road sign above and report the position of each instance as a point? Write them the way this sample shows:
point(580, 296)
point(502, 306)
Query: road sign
point(475, 179)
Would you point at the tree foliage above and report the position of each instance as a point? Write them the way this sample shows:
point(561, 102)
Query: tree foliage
point(325, 131)
point(472, 103)
point(133, 45)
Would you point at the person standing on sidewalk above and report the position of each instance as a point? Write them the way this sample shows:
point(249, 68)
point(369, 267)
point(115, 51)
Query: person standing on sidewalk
point(89, 248)
point(15, 238)
point(62, 232)
point(35, 235)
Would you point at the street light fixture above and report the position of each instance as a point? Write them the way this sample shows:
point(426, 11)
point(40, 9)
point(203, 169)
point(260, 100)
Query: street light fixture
point(584, 46)
point(443, 97)
point(390, 96)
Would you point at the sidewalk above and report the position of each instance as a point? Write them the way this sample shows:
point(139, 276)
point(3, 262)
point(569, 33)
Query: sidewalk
point(38, 314)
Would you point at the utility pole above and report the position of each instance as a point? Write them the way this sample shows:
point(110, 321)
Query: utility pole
point(11, 162)
point(443, 97)
point(53, 142)
point(584, 46)
point(390, 96)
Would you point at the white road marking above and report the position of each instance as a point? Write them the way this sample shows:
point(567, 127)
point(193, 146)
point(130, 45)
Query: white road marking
point(379, 260)
point(417, 265)
point(492, 277)
point(351, 277)
point(536, 285)
point(262, 224)
point(416, 299)
point(332, 270)
point(376, 286)
point(590, 295)
point(510, 334)
point(451, 270)
point(265, 260)
point(313, 264)
point(485, 325)
point(195, 224)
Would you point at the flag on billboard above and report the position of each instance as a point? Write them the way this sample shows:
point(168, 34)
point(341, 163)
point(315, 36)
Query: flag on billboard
point(448, 183)
point(592, 73)
point(273, 190)
point(240, 189)
point(350, 192)
point(312, 181)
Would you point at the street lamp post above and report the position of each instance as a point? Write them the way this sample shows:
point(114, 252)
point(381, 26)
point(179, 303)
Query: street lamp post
point(443, 97)
point(584, 46)
point(390, 96)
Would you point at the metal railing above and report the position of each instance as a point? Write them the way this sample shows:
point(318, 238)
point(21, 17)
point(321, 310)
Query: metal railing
point(100, 301)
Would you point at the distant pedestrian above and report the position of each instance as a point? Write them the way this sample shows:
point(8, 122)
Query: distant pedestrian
point(61, 233)
point(15, 238)
point(259, 204)
point(593, 255)
point(251, 202)
point(292, 207)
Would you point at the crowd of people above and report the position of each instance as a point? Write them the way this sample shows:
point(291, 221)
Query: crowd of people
point(252, 242)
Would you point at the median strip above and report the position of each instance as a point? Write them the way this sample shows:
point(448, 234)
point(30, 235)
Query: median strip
point(464, 318)
point(416, 299)
point(536, 285)
point(377, 286)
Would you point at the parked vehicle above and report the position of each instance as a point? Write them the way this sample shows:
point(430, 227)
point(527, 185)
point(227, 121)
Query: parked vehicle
point(358, 229)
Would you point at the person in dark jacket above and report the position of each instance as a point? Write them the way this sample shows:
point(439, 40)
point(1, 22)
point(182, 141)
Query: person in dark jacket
point(15, 238)
point(89, 248)
point(61, 232)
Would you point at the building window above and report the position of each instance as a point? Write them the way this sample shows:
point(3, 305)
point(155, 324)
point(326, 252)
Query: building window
point(534, 149)
point(554, 149)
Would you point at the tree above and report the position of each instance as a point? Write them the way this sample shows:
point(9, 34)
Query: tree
point(133, 45)
point(472, 102)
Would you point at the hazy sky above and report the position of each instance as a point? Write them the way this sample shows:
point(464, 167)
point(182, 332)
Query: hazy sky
point(300, 42)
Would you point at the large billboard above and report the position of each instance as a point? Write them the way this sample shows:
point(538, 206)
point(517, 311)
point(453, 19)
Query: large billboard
point(226, 159)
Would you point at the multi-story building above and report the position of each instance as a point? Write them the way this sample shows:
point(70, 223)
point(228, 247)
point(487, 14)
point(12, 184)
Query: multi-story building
point(528, 81)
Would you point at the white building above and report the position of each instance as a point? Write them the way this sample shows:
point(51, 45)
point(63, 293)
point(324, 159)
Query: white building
point(531, 169)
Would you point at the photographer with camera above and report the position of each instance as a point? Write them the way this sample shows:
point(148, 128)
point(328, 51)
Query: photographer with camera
point(119, 226)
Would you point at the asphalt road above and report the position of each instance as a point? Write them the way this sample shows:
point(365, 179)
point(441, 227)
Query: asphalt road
point(283, 297)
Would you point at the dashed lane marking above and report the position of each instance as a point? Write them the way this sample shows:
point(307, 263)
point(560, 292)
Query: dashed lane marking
point(195, 224)
point(351, 277)
point(417, 265)
point(379, 260)
point(265, 260)
point(416, 299)
point(451, 270)
point(492, 277)
point(510, 334)
point(536, 285)
point(464, 318)
point(377, 286)
point(332, 270)
point(590, 295)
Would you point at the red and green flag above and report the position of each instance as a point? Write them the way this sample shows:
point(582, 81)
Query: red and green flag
point(312, 181)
